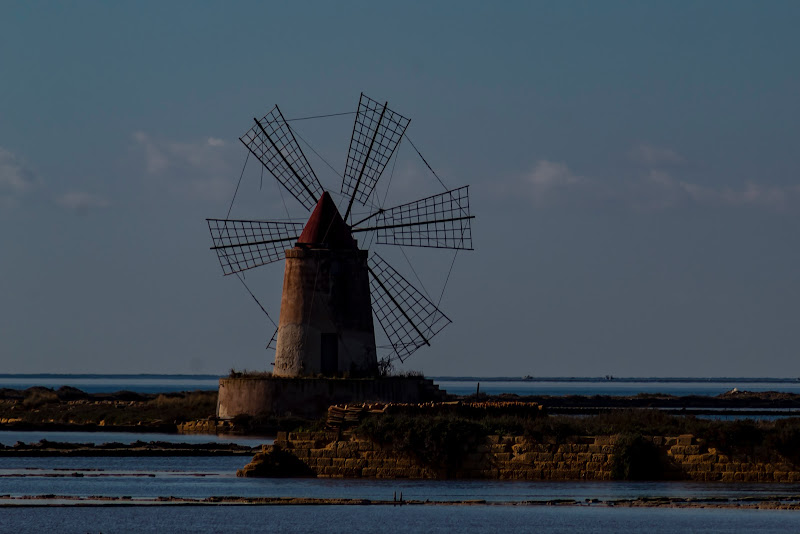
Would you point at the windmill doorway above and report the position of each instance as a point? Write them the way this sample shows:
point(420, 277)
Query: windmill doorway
point(330, 354)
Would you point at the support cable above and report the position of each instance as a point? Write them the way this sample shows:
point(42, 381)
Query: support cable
point(237, 185)
point(294, 130)
point(415, 274)
point(426, 162)
point(255, 299)
point(394, 164)
point(283, 199)
point(450, 271)
point(322, 116)
point(447, 279)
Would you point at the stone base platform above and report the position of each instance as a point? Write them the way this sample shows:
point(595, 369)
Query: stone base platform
point(310, 397)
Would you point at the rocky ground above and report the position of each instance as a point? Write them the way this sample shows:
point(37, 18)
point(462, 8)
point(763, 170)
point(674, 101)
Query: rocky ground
point(733, 402)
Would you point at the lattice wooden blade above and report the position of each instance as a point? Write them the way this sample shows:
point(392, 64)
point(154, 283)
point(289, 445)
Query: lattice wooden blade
point(242, 245)
point(271, 140)
point(376, 133)
point(439, 221)
point(407, 317)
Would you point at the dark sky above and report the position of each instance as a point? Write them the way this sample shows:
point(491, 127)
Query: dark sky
point(633, 167)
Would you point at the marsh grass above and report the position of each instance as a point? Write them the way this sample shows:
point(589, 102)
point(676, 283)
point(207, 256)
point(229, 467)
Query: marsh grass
point(41, 405)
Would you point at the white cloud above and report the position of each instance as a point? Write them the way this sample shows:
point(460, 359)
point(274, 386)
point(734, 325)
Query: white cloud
point(548, 177)
point(15, 178)
point(656, 190)
point(655, 156)
point(81, 202)
point(195, 168)
point(155, 160)
point(660, 190)
point(163, 155)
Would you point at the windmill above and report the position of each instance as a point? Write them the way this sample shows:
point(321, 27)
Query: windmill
point(332, 287)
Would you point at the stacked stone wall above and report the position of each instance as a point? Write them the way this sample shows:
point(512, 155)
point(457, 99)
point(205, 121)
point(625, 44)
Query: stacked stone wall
point(205, 426)
point(333, 455)
point(701, 463)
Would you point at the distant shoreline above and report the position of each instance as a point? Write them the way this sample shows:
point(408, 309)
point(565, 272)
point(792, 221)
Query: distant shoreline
point(519, 378)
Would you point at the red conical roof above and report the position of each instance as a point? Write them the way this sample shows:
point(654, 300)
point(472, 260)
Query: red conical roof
point(326, 226)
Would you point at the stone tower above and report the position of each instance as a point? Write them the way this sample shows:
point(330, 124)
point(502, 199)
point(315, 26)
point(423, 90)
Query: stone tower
point(325, 326)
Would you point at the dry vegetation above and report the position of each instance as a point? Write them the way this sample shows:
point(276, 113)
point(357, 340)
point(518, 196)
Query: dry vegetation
point(67, 405)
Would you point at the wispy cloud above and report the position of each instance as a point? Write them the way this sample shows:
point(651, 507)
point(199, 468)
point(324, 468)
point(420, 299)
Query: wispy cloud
point(673, 192)
point(546, 180)
point(155, 160)
point(196, 168)
point(655, 189)
point(16, 178)
point(660, 189)
point(81, 202)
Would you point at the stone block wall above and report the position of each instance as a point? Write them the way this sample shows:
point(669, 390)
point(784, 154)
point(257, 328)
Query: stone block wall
point(328, 454)
point(205, 426)
point(701, 463)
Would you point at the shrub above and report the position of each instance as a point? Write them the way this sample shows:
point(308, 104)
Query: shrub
point(439, 442)
point(246, 373)
point(37, 397)
point(636, 458)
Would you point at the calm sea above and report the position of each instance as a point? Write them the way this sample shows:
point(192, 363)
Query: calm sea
point(368, 519)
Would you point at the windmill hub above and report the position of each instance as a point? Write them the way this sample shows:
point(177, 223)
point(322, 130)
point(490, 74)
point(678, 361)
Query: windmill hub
point(325, 324)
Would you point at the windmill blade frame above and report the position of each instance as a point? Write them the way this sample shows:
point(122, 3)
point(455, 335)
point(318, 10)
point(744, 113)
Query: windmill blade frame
point(242, 245)
point(408, 318)
point(437, 221)
point(272, 142)
point(377, 131)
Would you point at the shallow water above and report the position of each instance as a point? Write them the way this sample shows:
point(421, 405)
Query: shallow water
point(10, 437)
point(434, 519)
point(201, 477)
point(140, 479)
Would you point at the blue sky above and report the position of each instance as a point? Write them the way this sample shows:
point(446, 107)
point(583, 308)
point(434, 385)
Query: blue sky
point(633, 166)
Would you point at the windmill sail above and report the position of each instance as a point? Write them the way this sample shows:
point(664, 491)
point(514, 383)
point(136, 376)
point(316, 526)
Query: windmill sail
point(438, 221)
point(271, 141)
point(242, 245)
point(376, 133)
point(408, 318)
